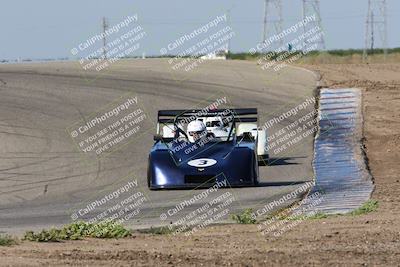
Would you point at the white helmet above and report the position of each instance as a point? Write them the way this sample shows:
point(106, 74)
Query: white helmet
point(196, 130)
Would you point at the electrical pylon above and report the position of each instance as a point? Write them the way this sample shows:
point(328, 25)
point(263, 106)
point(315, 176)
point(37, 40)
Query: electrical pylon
point(376, 24)
point(311, 8)
point(105, 27)
point(273, 21)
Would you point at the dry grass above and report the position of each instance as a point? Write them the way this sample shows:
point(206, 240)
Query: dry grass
point(325, 58)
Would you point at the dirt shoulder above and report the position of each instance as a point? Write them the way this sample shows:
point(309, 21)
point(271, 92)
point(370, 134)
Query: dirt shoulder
point(366, 240)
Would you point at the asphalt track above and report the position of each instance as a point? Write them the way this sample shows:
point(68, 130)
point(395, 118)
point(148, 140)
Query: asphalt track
point(44, 179)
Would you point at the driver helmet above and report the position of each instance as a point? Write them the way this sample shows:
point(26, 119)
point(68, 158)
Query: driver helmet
point(196, 130)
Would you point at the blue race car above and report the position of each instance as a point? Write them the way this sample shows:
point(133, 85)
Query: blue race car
point(223, 149)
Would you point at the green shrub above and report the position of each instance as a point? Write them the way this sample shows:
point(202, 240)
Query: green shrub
point(79, 230)
point(245, 217)
point(369, 206)
point(6, 240)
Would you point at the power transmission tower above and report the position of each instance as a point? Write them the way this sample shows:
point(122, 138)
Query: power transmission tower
point(228, 48)
point(311, 9)
point(376, 22)
point(105, 27)
point(273, 20)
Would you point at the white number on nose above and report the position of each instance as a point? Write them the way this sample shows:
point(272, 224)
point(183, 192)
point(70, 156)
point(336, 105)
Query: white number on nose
point(202, 162)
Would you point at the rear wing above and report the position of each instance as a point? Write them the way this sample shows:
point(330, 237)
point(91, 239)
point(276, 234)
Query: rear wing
point(239, 114)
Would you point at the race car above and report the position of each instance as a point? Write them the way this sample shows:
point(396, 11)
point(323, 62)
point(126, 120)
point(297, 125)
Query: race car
point(191, 151)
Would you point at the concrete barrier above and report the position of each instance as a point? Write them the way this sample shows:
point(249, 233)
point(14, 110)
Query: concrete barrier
point(342, 178)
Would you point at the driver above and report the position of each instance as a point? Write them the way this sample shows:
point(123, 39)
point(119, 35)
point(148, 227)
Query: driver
point(196, 130)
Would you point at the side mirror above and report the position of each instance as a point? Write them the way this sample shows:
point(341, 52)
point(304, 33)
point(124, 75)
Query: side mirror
point(158, 137)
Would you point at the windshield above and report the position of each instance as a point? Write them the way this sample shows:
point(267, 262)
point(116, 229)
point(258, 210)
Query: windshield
point(213, 124)
point(220, 130)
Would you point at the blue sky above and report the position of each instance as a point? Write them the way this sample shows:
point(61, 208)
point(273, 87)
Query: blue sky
point(49, 29)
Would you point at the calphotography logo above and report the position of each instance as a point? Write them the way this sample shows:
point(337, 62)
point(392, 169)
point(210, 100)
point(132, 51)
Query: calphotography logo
point(119, 41)
point(207, 42)
point(300, 39)
point(117, 207)
point(108, 130)
point(212, 122)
